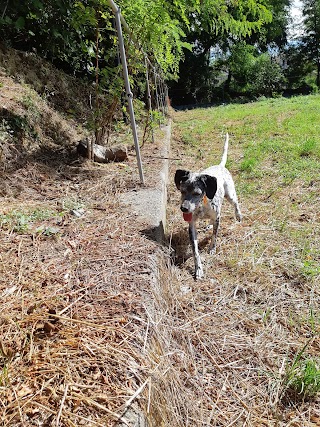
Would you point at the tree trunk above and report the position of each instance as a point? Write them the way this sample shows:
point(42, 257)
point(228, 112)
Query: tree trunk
point(227, 82)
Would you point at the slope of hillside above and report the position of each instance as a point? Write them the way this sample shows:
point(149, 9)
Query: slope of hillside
point(75, 261)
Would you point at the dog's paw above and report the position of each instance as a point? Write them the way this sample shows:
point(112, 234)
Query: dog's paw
point(239, 216)
point(212, 250)
point(198, 275)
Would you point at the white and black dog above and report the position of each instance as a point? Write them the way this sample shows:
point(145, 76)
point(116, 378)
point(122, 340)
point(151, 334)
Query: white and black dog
point(202, 196)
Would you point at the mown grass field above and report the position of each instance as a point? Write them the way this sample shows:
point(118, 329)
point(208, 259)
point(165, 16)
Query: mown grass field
point(242, 345)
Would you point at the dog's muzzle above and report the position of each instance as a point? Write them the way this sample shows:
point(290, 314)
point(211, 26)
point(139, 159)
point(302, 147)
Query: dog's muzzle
point(187, 211)
point(184, 209)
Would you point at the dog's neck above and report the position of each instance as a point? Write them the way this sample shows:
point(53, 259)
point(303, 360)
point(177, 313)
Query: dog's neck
point(203, 206)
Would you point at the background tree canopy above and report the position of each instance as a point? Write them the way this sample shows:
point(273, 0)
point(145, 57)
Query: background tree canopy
point(209, 50)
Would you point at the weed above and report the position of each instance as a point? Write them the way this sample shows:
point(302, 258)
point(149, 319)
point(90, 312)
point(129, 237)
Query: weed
point(310, 268)
point(48, 231)
point(157, 117)
point(312, 320)
point(21, 221)
point(17, 126)
point(28, 101)
point(248, 165)
point(308, 148)
point(304, 378)
point(266, 315)
point(72, 204)
point(310, 260)
point(189, 140)
point(4, 376)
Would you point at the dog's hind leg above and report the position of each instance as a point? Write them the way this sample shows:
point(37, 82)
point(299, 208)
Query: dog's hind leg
point(198, 273)
point(235, 203)
point(231, 196)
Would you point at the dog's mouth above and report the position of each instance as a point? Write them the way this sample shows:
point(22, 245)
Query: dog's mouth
point(187, 216)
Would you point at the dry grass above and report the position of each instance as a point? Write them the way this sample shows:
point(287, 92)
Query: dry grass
point(71, 312)
point(74, 272)
point(75, 268)
point(94, 321)
point(65, 94)
point(225, 344)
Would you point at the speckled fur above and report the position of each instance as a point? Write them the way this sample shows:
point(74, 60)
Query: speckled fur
point(215, 183)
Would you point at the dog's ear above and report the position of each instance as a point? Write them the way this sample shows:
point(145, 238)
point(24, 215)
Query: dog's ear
point(181, 176)
point(210, 185)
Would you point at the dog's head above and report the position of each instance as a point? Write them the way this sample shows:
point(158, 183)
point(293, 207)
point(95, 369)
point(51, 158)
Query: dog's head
point(193, 187)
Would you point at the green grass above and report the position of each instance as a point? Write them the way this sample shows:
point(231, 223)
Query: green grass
point(302, 377)
point(25, 220)
point(283, 132)
point(21, 221)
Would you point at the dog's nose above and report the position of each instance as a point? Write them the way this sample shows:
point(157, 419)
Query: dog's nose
point(184, 209)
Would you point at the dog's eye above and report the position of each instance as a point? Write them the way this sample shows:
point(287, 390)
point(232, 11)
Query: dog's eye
point(196, 193)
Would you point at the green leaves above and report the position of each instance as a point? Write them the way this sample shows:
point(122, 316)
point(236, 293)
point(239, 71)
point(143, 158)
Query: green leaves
point(311, 37)
point(158, 26)
point(20, 23)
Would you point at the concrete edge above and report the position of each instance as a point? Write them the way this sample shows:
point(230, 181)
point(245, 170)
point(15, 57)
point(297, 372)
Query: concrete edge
point(150, 204)
point(164, 177)
point(140, 202)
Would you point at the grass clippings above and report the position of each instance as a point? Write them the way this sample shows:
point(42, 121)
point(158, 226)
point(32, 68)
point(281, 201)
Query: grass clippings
point(71, 309)
point(74, 272)
point(74, 269)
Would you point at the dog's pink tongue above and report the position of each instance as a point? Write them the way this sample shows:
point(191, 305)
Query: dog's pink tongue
point(187, 216)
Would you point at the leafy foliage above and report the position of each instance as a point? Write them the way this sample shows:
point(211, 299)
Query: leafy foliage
point(266, 76)
point(245, 71)
point(298, 68)
point(65, 31)
point(157, 26)
point(222, 25)
point(311, 37)
point(273, 33)
point(80, 37)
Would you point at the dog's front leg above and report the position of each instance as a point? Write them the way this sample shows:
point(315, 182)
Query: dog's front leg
point(213, 243)
point(198, 273)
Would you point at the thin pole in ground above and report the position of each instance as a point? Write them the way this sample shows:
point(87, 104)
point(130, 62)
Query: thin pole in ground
point(157, 93)
point(117, 14)
point(149, 98)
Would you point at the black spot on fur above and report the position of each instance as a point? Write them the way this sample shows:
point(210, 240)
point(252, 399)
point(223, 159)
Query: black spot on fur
point(210, 185)
point(181, 176)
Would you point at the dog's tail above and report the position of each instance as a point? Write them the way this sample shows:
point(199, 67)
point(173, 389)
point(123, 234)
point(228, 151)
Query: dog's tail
point(225, 151)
